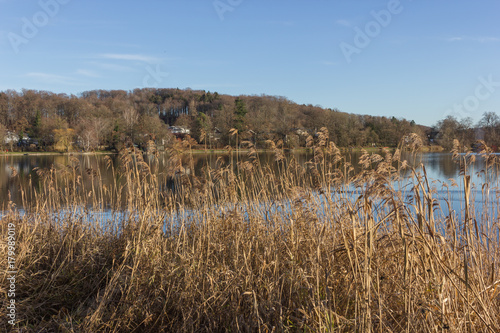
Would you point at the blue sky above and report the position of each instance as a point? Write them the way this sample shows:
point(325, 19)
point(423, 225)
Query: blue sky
point(421, 59)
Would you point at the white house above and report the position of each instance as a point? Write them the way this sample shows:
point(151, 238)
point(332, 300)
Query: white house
point(11, 138)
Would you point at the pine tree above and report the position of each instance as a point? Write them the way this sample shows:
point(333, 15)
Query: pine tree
point(240, 111)
point(37, 124)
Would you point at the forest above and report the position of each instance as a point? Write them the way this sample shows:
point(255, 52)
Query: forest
point(109, 119)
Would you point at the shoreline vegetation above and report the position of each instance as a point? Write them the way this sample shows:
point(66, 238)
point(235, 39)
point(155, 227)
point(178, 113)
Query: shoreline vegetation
point(244, 248)
point(96, 120)
point(434, 148)
point(41, 121)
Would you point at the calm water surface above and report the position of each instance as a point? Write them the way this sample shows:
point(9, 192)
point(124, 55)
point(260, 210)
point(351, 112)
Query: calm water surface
point(440, 168)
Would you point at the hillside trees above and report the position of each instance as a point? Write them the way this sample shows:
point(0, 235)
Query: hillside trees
point(490, 127)
point(95, 128)
point(466, 133)
point(448, 131)
point(109, 118)
point(463, 130)
point(130, 118)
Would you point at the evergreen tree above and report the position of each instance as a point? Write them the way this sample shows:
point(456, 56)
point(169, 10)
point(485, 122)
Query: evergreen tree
point(37, 124)
point(240, 111)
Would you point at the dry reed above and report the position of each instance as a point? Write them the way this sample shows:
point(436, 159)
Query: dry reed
point(245, 247)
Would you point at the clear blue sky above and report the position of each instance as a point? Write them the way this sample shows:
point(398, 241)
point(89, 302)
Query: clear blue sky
point(423, 61)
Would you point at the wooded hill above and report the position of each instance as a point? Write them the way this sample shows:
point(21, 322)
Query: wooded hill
point(106, 119)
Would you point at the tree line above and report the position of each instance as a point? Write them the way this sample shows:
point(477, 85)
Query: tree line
point(108, 119)
point(487, 129)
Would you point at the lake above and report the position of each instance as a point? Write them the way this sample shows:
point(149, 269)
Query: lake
point(29, 169)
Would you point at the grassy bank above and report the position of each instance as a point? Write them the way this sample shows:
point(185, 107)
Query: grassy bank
point(244, 248)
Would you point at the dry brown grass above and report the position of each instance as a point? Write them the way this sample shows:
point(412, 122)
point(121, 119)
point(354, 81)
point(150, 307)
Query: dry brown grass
point(243, 247)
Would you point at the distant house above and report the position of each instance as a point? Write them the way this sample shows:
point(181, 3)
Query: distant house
point(179, 131)
point(11, 138)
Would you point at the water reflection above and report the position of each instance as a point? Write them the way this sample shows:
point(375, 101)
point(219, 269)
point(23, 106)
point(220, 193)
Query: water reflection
point(439, 166)
point(22, 174)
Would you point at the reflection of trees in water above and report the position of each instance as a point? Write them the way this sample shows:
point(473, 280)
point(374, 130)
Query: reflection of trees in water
point(266, 159)
point(442, 167)
point(439, 167)
point(22, 167)
point(28, 169)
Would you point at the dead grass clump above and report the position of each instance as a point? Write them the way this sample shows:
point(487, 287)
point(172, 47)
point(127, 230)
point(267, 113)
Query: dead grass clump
point(245, 247)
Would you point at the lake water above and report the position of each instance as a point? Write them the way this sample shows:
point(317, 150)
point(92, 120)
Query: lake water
point(440, 167)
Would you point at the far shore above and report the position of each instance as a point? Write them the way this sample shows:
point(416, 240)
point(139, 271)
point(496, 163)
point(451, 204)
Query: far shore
point(222, 151)
point(53, 153)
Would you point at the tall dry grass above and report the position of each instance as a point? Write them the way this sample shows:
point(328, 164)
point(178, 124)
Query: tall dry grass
point(246, 247)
